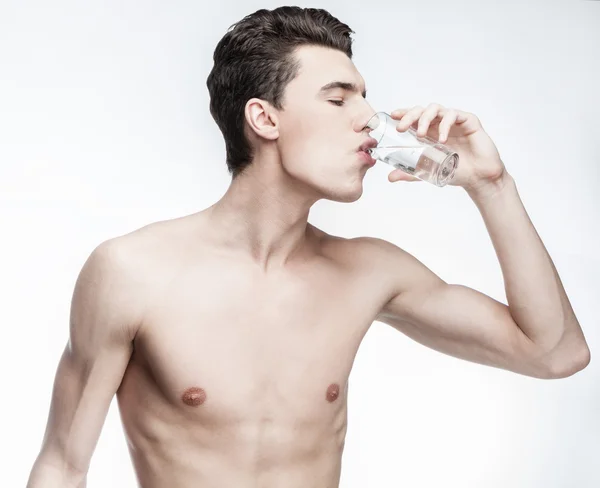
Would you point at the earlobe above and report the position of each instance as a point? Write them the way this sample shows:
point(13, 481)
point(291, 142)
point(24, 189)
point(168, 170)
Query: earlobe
point(262, 118)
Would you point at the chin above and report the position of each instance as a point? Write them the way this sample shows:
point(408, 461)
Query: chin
point(348, 194)
point(340, 187)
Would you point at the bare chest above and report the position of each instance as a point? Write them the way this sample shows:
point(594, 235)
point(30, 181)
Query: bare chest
point(222, 343)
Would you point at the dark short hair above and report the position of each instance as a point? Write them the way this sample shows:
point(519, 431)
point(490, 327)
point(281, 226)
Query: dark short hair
point(254, 59)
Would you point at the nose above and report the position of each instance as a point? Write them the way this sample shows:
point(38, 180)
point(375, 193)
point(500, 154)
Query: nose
point(360, 125)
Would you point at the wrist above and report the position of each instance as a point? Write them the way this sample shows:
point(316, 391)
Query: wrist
point(489, 189)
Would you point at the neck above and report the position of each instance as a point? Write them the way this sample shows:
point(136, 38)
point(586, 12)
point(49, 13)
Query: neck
point(264, 216)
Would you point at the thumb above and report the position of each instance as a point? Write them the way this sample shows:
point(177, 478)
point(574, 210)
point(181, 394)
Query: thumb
point(399, 175)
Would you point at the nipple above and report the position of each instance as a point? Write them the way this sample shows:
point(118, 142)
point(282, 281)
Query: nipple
point(193, 396)
point(332, 392)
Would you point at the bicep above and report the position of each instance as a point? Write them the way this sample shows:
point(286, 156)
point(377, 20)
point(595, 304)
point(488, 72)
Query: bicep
point(455, 319)
point(90, 370)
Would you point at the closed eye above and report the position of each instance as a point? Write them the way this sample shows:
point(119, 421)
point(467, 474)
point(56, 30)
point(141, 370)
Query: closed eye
point(339, 103)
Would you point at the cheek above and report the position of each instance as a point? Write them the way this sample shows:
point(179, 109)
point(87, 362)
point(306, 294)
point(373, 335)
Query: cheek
point(302, 137)
point(308, 142)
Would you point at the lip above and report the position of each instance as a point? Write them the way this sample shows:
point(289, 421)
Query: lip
point(370, 143)
point(367, 158)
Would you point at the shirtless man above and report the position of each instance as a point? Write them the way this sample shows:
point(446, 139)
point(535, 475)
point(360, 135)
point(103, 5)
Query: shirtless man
point(228, 335)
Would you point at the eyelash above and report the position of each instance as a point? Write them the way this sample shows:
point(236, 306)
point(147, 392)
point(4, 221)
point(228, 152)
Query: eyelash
point(338, 103)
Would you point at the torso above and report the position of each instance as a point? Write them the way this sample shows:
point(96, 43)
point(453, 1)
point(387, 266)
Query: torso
point(237, 379)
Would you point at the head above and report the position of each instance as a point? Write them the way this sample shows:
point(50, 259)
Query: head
point(284, 88)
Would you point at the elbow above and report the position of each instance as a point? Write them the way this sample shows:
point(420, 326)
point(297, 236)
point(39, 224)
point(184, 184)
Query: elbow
point(50, 473)
point(565, 365)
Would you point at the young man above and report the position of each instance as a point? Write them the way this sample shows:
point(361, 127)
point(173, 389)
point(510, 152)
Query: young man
point(228, 335)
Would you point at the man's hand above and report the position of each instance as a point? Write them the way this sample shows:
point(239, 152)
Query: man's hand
point(479, 164)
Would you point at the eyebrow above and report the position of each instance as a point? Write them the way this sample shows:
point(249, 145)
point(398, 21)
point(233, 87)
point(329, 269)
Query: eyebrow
point(344, 85)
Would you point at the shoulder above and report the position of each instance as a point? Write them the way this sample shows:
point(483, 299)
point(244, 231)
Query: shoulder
point(375, 251)
point(364, 254)
point(151, 244)
point(135, 265)
point(378, 254)
point(396, 269)
point(105, 297)
point(129, 254)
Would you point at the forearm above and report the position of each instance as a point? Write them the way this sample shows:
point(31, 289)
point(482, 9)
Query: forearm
point(535, 294)
point(45, 474)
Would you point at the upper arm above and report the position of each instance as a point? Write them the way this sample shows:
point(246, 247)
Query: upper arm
point(453, 319)
point(105, 311)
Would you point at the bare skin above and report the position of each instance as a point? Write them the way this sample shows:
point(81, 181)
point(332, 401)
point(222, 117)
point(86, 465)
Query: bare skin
point(238, 377)
point(251, 370)
point(229, 335)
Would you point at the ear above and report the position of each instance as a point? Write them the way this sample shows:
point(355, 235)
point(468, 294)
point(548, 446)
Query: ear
point(262, 118)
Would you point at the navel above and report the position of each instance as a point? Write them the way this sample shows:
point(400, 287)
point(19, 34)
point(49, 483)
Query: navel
point(332, 392)
point(193, 396)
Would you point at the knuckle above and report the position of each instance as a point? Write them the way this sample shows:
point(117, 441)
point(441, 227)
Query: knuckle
point(450, 118)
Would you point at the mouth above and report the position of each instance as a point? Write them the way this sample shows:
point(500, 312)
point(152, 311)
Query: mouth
point(366, 157)
point(364, 151)
point(370, 143)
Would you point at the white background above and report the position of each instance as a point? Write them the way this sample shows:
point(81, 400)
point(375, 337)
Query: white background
point(104, 128)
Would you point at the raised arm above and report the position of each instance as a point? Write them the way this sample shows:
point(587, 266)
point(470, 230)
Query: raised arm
point(537, 333)
point(463, 322)
point(105, 313)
